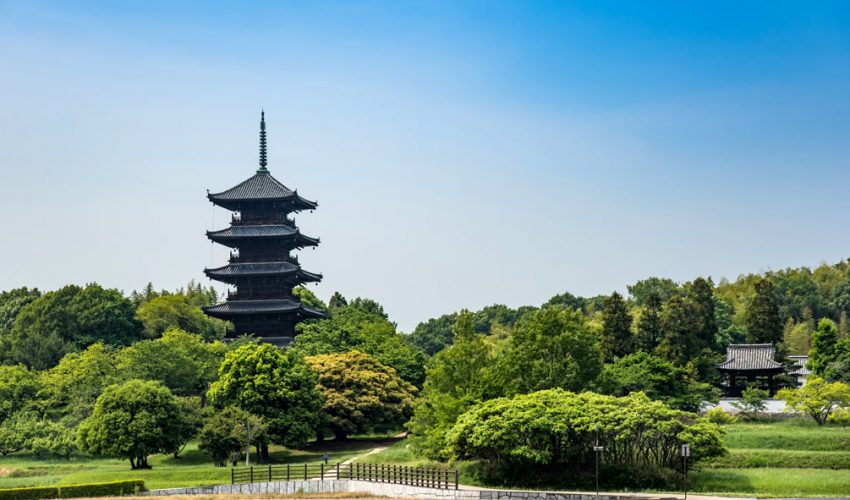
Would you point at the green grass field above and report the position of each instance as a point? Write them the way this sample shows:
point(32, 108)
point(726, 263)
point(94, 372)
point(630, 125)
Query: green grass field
point(192, 468)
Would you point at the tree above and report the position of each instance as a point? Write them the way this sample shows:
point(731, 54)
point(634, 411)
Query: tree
point(182, 361)
point(356, 328)
point(18, 389)
point(679, 344)
point(649, 327)
point(361, 394)
point(133, 420)
point(457, 378)
point(70, 319)
point(229, 432)
point(701, 294)
point(75, 383)
point(11, 303)
point(337, 301)
point(16, 431)
point(617, 337)
point(274, 384)
point(50, 438)
point(434, 335)
point(552, 348)
point(824, 341)
point(764, 325)
point(817, 398)
point(663, 288)
point(191, 422)
point(309, 299)
point(797, 337)
point(657, 378)
point(168, 312)
point(752, 402)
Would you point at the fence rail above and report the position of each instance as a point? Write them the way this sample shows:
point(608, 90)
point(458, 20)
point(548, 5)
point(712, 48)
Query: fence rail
point(378, 473)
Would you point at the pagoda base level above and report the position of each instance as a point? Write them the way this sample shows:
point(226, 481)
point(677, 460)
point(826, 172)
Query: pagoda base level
point(281, 342)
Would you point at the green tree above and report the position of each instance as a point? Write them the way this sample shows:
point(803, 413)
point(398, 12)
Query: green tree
point(701, 294)
point(764, 325)
point(274, 384)
point(663, 288)
point(657, 378)
point(797, 337)
point(355, 328)
point(679, 322)
point(49, 438)
point(191, 421)
point(132, 420)
point(182, 361)
point(73, 385)
point(70, 319)
point(617, 337)
point(11, 303)
point(649, 327)
point(817, 398)
point(18, 390)
point(824, 341)
point(230, 432)
point(752, 402)
point(552, 348)
point(360, 393)
point(434, 335)
point(337, 301)
point(168, 312)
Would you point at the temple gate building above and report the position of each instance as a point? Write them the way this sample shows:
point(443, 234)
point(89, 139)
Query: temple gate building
point(263, 270)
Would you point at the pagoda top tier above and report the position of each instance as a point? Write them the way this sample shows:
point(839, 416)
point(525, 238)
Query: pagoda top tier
point(262, 188)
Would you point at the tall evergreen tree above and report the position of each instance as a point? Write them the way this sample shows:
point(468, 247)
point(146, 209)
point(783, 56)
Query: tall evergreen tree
point(679, 344)
point(649, 328)
point(824, 340)
point(617, 337)
point(764, 325)
point(701, 293)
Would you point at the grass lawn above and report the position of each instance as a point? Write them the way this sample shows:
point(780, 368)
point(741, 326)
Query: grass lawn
point(192, 468)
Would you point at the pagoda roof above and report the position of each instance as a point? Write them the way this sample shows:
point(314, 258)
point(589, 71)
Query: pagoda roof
point(750, 357)
point(260, 187)
point(230, 235)
point(260, 269)
point(799, 367)
point(248, 307)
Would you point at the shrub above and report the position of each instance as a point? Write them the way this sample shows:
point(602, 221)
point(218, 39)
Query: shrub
point(115, 488)
point(752, 402)
point(718, 416)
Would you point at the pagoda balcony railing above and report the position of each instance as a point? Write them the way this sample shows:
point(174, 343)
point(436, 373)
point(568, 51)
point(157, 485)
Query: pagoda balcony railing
point(236, 258)
point(237, 219)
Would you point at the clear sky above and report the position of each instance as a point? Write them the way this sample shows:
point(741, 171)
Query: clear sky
point(462, 153)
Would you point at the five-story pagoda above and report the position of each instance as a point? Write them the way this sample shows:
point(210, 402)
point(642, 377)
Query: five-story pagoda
point(261, 267)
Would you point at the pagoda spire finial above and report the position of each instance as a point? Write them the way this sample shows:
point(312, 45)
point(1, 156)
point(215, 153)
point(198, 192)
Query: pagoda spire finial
point(262, 142)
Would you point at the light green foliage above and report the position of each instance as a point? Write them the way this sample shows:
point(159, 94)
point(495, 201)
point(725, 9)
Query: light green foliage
point(558, 428)
point(551, 348)
point(718, 416)
point(167, 312)
point(657, 378)
point(361, 326)
point(52, 439)
point(116, 488)
point(133, 420)
point(617, 337)
point(70, 319)
point(276, 385)
point(840, 416)
point(824, 341)
point(361, 395)
point(182, 361)
point(817, 398)
point(16, 431)
point(309, 299)
point(457, 378)
point(752, 402)
point(18, 389)
point(75, 383)
point(434, 335)
point(797, 337)
point(763, 322)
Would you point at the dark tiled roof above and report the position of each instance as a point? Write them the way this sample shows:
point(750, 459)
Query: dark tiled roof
point(260, 269)
point(254, 231)
point(261, 186)
point(750, 357)
point(239, 307)
point(799, 367)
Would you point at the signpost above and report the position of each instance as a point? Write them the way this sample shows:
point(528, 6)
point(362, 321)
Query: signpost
point(597, 450)
point(686, 452)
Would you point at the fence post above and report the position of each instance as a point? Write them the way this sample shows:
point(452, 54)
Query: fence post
point(287, 472)
point(270, 472)
point(322, 471)
point(455, 478)
point(231, 476)
point(251, 472)
point(305, 472)
point(337, 472)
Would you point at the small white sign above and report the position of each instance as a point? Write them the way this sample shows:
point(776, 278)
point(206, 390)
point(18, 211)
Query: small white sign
point(686, 450)
point(599, 448)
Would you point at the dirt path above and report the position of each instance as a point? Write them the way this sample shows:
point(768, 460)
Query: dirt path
point(377, 449)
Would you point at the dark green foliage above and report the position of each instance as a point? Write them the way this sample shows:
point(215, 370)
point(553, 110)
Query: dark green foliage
point(434, 335)
point(764, 325)
point(35, 493)
point(662, 288)
point(823, 351)
point(11, 303)
point(115, 488)
point(228, 433)
point(657, 378)
point(337, 301)
point(133, 420)
point(679, 322)
point(567, 300)
point(552, 348)
point(649, 327)
point(617, 337)
point(359, 327)
point(701, 294)
point(71, 319)
point(274, 384)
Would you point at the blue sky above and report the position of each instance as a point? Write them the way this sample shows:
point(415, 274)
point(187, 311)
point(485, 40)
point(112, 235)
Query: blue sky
point(462, 153)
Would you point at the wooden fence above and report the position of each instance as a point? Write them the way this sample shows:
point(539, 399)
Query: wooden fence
point(378, 473)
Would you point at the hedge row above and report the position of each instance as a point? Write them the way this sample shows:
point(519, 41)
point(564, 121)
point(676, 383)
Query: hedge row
point(115, 488)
